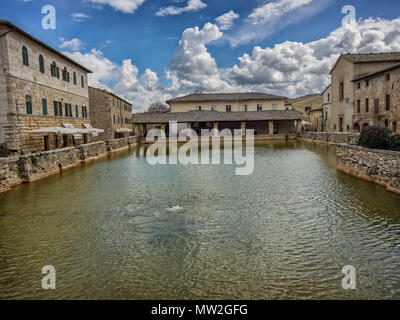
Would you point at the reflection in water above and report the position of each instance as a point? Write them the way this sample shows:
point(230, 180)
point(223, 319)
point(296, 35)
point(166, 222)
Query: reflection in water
point(285, 232)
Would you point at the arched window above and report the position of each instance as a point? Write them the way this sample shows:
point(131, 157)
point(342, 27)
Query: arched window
point(25, 58)
point(64, 74)
point(74, 78)
point(82, 82)
point(41, 64)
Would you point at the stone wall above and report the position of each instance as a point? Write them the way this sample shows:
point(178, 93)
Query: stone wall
point(92, 150)
point(9, 173)
point(378, 166)
point(330, 137)
point(119, 144)
point(31, 167)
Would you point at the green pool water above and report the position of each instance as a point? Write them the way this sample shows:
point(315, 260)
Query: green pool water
point(285, 232)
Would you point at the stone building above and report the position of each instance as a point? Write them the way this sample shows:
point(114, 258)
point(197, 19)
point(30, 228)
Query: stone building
point(348, 68)
point(316, 119)
point(40, 88)
point(377, 99)
point(110, 113)
point(327, 110)
point(305, 104)
point(265, 114)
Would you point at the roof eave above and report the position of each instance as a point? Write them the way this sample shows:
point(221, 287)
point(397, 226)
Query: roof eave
point(16, 28)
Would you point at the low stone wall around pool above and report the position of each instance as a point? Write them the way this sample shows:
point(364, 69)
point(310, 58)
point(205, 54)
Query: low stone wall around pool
point(330, 137)
point(378, 166)
point(115, 145)
point(31, 167)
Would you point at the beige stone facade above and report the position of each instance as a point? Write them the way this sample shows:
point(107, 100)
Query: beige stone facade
point(230, 102)
point(377, 100)
point(305, 104)
point(36, 92)
point(347, 68)
point(110, 113)
point(327, 110)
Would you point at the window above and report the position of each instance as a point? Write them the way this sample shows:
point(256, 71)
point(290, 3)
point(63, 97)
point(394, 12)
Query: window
point(329, 97)
point(60, 111)
point(359, 85)
point(388, 77)
point(386, 123)
point(244, 107)
point(70, 110)
point(28, 103)
point(84, 112)
point(41, 64)
point(25, 57)
point(388, 102)
point(358, 106)
point(114, 118)
point(367, 105)
point(54, 70)
point(228, 108)
point(55, 108)
point(306, 109)
point(213, 108)
point(274, 107)
point(74, 75)
point(44, 107)
point(341, 91)
point(259, 107)
point(64, 74)
point(76, 111)
point(367, 83)
point(66, 109)
point(376, 106)
point(82, 82)
point(198, 108)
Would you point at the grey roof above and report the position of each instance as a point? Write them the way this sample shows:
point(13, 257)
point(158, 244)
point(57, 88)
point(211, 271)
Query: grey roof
point(110, 93)
point(210, 116)
point(375, 74)
point(202, 97)
point(368, 57)
point(290, 101)
point(26, 34)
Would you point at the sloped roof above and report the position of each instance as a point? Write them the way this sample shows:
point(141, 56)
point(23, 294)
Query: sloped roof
point(111, 93)
point(202, 97)
point(368, 57)
point(210, 116)
point(375, 74)
point(26, 34)
point(306, 97)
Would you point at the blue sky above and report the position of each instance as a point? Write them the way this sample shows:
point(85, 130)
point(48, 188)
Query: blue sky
point(131, 30)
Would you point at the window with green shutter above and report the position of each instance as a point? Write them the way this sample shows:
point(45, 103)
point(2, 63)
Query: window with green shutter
point(28, 103)
point(41, 64)
point(82, 82)
point(25, 57)
point(44, 106)
point(60, 111)
point(74, 75)
point(66, 109)
point(55, 108)
point(76, 111)
point(70, 110)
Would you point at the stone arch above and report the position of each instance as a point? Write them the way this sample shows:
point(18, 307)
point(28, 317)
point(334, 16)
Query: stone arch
point(365, 125)
point(356, 127)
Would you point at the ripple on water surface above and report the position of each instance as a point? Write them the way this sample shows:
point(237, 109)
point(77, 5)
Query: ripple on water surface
point(121, 228)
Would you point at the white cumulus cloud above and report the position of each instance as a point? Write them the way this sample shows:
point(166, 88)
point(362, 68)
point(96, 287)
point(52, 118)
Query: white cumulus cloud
point(225, 21)
point(127, 6)
point(73, 44)
point(192, 5)
point(79, 16)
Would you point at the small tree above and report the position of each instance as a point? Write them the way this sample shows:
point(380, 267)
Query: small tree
point(374, 137)
point(158, 107)
point(394, 142)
